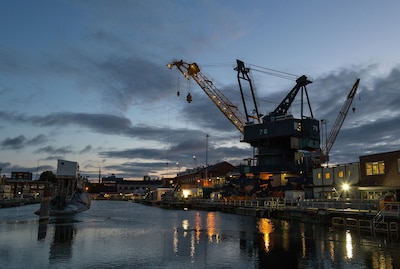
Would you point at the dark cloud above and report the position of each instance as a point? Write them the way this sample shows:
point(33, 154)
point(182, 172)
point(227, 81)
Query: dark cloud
point(13, 143)
point(138, 170)
point(52, 150)
point(21, 141)
point(133, 81)
point(98, 123)
point(181, 152)
point(88, 148)
point(38, 140)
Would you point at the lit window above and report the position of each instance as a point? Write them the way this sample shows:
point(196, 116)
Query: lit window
point(319, 175)
point(381, 166)
point(341, 174)
point(368, 169)
point(375, 168)
point(327, 175)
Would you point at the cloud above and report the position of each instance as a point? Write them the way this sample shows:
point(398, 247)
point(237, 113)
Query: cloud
point(21, 141)
point(52, 150)
point(88, 148)
point(14, 143)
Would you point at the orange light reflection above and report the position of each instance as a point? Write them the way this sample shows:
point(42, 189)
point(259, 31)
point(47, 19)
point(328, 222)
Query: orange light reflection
point(265, 227)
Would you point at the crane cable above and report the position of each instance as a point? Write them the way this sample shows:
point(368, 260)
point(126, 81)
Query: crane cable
point(274, 72)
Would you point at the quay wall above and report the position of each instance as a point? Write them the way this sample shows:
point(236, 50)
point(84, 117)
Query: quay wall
point(319, 211)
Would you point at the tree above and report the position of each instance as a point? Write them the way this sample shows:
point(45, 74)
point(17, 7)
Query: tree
point(48, 176)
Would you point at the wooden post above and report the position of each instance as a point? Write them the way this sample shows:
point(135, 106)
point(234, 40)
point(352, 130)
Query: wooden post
point(44, 208)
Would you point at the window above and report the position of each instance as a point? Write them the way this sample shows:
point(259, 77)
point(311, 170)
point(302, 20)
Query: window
point(319, 175)
point(341, 174)
point(375, 168)
point(327, 175)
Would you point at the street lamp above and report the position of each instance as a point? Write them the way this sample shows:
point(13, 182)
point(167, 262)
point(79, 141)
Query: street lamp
point(195, 161)
point(206, 156)
point(346, 187)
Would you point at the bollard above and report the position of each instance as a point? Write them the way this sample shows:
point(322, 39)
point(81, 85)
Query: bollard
point(44, 209)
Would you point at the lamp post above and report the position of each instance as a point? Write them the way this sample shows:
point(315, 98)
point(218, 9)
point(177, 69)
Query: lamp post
point(195, 161)
point(324, 127)
point(207, 157)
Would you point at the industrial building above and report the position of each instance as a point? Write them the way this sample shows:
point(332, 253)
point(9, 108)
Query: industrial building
point(375, 177)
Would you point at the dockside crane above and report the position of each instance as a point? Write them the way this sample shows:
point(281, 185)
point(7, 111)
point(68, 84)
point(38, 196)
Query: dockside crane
point(338, 123)
point(230, 110)
point(243, 74)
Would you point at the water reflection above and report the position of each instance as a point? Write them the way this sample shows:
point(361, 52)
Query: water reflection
point(187, 239)
point(62, 243)
point(200, 231)
point(265, 227)
point(349, 246)
point(61, 247)
point(275, 247)
point(42, 229)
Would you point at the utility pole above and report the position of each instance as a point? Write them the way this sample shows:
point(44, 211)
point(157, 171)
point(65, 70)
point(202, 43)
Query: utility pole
point(207, 157)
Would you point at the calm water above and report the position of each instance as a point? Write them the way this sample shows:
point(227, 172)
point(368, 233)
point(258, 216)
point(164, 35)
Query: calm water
point(114, 234)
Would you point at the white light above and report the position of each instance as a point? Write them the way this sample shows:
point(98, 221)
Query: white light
point(186, 193)
point(345, 187)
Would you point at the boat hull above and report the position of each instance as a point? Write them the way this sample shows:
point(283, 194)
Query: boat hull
point(79, 202)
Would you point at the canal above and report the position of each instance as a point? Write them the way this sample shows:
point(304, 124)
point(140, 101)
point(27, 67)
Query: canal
point(118, 234)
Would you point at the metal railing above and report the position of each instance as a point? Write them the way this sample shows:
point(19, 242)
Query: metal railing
point(360, 206)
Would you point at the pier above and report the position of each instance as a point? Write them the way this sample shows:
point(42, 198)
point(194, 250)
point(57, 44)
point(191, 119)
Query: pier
point(360, 215)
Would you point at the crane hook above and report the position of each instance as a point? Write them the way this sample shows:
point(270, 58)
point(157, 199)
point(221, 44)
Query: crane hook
point(189, 98)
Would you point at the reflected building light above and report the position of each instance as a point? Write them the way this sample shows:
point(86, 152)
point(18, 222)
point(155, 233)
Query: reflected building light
point(192, 245)
point(349, 245)
point(265, 227)
point(175, 242)
point(198, 226)
point(185, 226)
point(285, 235)
point(303, 241)
point(331, 247)
point(376, 260)
point(210, 225)
point(322, 247)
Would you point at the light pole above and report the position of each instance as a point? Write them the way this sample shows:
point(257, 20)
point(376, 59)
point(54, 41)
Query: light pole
point(207, 157)
point(324, 123)
point(195, 161)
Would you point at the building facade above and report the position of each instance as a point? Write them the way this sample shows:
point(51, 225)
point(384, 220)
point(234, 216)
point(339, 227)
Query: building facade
point(380, 176)
point(21, 176)
point(340, 181)
point(212, 176)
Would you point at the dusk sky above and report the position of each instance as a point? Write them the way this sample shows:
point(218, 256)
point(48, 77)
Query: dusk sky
point(87, 81)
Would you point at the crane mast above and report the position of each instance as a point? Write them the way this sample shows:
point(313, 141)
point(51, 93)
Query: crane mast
point(243, 74)
point(284, 106)
point(230, 110)
point(339, 120)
